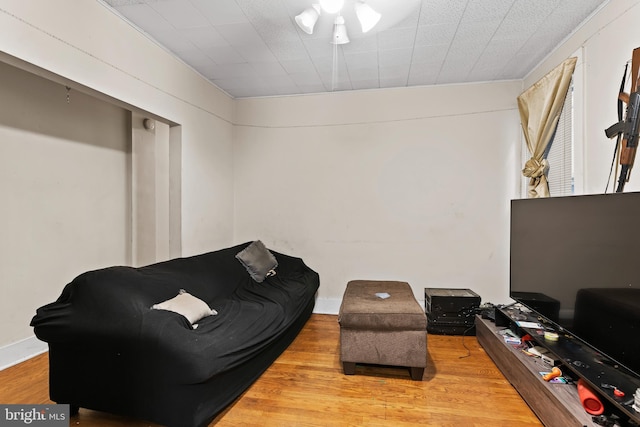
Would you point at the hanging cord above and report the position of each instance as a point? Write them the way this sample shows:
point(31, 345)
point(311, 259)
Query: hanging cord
point(464, 344)
point(614, 163)
point(334, 70)
point(616, 151)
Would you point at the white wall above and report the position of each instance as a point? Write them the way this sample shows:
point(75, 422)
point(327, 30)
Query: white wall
point(406, 184)
point(152, 180)
point(85, 43)
point(64, 189)
point(356, 182)
point(47, 174)
point(606, 43)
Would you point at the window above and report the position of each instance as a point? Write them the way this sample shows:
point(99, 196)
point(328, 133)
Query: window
point(559, 153)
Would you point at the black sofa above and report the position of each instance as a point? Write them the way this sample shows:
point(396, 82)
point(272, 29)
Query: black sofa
point(109, 350)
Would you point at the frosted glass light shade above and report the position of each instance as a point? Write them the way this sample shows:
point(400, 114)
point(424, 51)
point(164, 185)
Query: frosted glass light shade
point(366, 15)
point(308, 18)
point(331, 6)
point(339, 32)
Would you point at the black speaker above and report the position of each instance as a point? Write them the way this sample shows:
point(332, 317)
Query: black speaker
point(451, 311)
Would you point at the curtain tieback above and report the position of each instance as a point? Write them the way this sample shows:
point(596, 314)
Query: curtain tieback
point(535, 168)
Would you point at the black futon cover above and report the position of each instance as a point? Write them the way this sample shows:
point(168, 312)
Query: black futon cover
point(110, 351)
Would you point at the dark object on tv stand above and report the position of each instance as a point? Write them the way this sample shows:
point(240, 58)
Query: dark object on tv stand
point(619, 308)
point(543, 304)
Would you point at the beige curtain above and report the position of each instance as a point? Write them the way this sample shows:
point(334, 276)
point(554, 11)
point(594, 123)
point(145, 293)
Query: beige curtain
point(540, 107)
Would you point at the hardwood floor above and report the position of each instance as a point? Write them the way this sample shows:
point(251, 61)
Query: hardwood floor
point(306, 387)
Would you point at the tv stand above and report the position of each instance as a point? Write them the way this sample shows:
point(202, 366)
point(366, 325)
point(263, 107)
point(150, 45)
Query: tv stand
point(556, 405)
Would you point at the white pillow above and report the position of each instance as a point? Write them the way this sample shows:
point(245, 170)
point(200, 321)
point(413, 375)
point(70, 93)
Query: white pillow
point(193, 308)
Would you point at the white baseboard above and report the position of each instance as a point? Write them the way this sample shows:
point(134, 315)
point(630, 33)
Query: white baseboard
point(327, 305)
point(20, 351)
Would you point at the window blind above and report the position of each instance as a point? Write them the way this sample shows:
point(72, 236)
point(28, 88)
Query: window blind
point(560, 155)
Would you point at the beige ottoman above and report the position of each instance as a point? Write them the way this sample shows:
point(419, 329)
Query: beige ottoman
point(382, 331)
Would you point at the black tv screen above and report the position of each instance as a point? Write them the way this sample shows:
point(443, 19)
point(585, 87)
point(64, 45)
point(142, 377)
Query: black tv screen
point(576, 262)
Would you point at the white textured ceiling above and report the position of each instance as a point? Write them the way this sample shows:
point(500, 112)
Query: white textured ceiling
point(254, 47)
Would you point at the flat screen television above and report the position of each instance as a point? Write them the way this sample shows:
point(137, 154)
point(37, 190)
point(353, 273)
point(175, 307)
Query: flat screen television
point(575, 261)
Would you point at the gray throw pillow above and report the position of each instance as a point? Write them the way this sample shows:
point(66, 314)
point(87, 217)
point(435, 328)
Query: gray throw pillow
point(258, 261)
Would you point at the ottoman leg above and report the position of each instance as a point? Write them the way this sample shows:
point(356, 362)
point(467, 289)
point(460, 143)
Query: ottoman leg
point(416, 373)
point(349, 368)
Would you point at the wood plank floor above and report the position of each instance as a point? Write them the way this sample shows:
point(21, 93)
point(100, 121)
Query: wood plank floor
point(306, 387)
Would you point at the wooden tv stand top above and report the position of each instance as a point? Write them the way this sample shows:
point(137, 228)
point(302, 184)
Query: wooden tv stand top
point(554, 404)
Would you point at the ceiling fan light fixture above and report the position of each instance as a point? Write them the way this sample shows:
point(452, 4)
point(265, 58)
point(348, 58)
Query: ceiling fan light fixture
point(308, 18)
point(339, 32)
point(331, 6)
point(367, 16)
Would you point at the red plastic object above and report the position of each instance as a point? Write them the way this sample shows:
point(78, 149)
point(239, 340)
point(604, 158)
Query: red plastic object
point(589, 400)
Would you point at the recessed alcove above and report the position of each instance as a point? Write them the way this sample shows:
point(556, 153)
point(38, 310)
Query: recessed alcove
point(84, 185)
